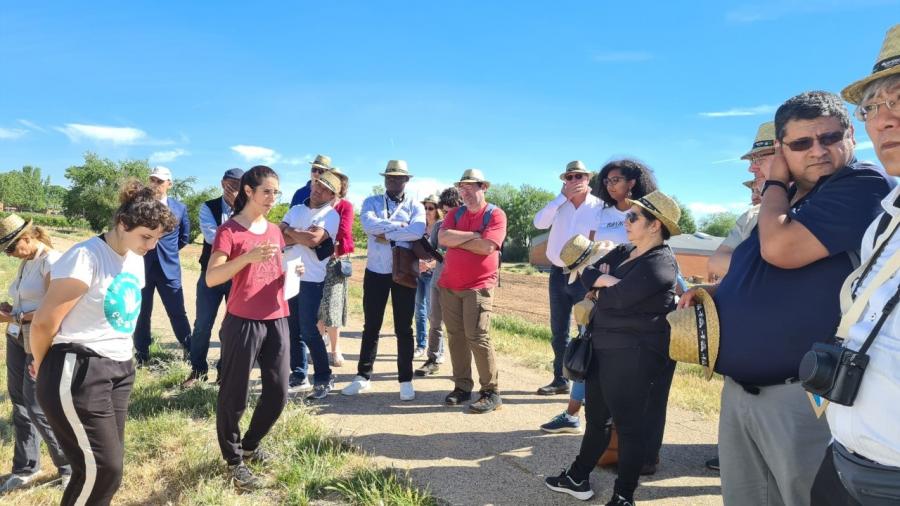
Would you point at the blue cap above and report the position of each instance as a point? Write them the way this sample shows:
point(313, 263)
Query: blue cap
point(233, 174)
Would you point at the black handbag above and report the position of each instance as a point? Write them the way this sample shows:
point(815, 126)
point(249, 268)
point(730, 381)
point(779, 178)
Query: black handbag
point(579, 353)
point(325, 249)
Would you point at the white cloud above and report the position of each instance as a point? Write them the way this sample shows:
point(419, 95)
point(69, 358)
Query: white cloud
point(76, 132)
point(167, 156)
point(727, 160)
point(256, 153)
point(740, 111)
point(701, 209)
point(11, 133)
point(30, 125)
point(622, 56)
point(864, 146)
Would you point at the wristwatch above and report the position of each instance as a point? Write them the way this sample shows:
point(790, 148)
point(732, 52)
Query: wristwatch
point(773, 182)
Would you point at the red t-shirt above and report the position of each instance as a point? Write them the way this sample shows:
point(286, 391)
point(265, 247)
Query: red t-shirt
point(464, 270)
point(257, 290)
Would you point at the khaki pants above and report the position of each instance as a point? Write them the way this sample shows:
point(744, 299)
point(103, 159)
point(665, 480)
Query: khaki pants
point(467, 316)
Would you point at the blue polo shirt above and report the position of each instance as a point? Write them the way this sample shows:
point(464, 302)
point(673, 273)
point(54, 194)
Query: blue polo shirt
point(302, 194)
point(768, 316)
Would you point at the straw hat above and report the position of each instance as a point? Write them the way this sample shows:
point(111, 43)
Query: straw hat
point(432, 199)
point(576, 167)
point(579, 252)
point(663, 207)
point(582, 311)
point(749, 184)
point(322, 161)
point(887, 64)
point(695, 333)
point(330, 180)
point(11, 228)
point(764, 144)
point(396, 168)
point(473, 176)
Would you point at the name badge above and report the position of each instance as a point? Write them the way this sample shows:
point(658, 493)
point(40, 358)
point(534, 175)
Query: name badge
point(13, 329)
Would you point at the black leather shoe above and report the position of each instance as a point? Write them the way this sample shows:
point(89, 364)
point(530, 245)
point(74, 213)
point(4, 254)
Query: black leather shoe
point(555, 388)
point(457, 397)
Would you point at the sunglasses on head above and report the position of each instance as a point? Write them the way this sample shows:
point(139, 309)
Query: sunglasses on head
point(826, 139)
point(575, 177)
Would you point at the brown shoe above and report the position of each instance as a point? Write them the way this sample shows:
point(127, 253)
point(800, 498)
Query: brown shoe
point(193, 379)
point(488, 402)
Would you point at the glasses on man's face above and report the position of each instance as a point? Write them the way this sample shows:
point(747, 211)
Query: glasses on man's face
point(632, 216)
point(574, 177)
point(317, 170)
point(612, 181)
point(864, 112)
point(759, 159)
point(826, 139)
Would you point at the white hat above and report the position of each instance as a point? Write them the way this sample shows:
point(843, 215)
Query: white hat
point(161, 173)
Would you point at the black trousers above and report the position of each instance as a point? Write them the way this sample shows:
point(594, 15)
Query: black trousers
point(243, 343)
point(827, 489)
point(657, 404)
point(85, 398)
point(618, 386)
point(376, 289)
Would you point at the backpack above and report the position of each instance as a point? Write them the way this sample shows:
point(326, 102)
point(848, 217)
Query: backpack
point(484, 223)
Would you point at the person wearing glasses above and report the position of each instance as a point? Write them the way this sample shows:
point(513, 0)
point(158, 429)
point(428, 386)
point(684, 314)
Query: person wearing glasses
point(633, 287)
point(248, 252)
point(433, 214)
point(862, 466)
point(781, 295)
point(30, 244)
point(574, 211)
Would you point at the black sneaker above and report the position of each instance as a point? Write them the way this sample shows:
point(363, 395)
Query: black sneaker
point(321, 391)
point(556, 388)
point(713, 464)
point(257, 456)
point(618, 500)
point(565, 484)
point(430, 367)
point(457, 396)
point(242, 477)
point(489, 401)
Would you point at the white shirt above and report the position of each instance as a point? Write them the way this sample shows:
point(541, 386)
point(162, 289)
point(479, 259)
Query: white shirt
point(565, 222)
point(742, 227)
point(302, 217)
point(208, 224)
point(611, 225)
point(104, 317)
point(871, 427)
point(27, 289)
point(400, 222)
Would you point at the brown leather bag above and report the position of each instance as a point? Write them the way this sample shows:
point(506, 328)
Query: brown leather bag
point(611, 456)
point(405, 269)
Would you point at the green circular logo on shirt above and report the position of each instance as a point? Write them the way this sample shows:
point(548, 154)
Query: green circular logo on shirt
point(122, 303)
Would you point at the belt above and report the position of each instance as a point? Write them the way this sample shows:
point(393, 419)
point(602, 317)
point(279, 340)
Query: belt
point(754, 389)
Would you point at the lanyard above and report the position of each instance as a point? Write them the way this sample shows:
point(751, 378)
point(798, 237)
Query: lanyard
point(396, 209)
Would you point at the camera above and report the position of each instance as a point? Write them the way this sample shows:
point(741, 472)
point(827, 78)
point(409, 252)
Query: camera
point(833, 372)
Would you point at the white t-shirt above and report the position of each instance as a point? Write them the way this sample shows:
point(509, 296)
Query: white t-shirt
point(611, 225)
point(104, 318)
point(27, 289)
point(302, 217)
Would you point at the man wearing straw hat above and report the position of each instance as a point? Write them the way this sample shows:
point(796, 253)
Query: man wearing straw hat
point(392, 219)
point(862, 466)
point(572, 212)
point(317, 167)
point(472, 235)
point(780, 296)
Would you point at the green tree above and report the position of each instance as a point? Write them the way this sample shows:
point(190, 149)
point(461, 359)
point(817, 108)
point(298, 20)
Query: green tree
point(718, 224)
point(193, 200)
point(277, 213)
point(360, 240)
point(55, 195)
point(686, 222)
point(94, 193)
point(520, 205)
point(183, 189)
point(24, 189)
point(377, 189)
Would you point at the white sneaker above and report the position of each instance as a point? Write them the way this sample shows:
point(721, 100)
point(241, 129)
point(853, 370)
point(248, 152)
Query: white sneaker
point(407, 392)
point(358, 385)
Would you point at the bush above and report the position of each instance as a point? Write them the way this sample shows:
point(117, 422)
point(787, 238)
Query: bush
point(193, 203)
point(360, 240)
point(51, 220)
point(718, 224)
point(277, 213)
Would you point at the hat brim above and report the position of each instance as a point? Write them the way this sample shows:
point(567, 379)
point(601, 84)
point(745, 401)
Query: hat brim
point(326, 184)
point(576, 171)
point(758, 151)
point(18, 233)
point(683, 322)
point(670, 225)
point(854, 92)
point(391, 173)
point(488, 183)
point(598, 252)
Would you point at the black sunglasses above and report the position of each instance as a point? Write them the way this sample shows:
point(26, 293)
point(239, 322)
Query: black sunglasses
point(317, 170)
point(574, 177)
point(632, 216)
point(430, 208)
point(826, 139)
point(11, 248)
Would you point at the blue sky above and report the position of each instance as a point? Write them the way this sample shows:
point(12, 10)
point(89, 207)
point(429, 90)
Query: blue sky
point(517, 89)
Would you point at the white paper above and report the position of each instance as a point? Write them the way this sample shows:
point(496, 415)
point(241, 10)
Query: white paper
point(12, 329)
point(291, 260)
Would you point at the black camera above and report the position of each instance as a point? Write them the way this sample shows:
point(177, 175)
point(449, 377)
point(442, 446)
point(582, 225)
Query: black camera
point(833, 372)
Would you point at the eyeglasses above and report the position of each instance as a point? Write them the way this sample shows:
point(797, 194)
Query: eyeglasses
point(632, 216)
point(758, 159)
point(317, 170)
point(864, 112)
point(272, 193)
point(430, 208)
point(805, 143)
point(574, 177)
point(12, 247)
point(609, 181)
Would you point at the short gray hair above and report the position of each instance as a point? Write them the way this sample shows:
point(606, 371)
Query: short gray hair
point(877, 86)
point(810, 105)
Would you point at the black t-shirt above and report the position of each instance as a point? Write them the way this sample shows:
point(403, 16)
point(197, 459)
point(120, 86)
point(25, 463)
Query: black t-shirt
point(769, 317)
point(633, 312)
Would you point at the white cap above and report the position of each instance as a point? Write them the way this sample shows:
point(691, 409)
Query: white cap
point(161, 173)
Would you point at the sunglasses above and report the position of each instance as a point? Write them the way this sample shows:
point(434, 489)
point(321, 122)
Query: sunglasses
point(317, 170)
point(826, 139)
point(430, 208)
point(607, 181)
point(632, 216)
point(574, 177)
point(12, 247)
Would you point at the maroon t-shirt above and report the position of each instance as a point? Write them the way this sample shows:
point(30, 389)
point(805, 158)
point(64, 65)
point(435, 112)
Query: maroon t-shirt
point(257, 290)
point(464, 270)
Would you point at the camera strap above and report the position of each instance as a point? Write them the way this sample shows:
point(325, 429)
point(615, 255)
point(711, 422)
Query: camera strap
point(885, 312)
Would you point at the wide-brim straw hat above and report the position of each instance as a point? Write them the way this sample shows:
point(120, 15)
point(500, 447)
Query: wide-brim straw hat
point(337, 172)
point(11, 228)
point(579, 252)
point(764, 143)
point(575, 167)
point(396, 168)
point(695, 333)
point(432, 199)
point(323, 161)
point(749, 184)
point(663, 207)
point(887, 64)
point(582, 311)
point(473, 176)
point(330, 180)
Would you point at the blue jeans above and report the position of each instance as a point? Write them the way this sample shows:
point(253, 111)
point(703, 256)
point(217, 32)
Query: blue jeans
point(308, 302)
point(208, 301)
point(299, 360)
point(423, 299)
point(562, 297)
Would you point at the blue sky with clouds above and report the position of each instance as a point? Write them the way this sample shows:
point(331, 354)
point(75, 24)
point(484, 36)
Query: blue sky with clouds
point(514, 88)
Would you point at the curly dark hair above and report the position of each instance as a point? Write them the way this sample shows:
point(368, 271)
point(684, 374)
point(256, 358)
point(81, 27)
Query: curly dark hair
point(450, 197)
point(139, 207)
point(633, 170)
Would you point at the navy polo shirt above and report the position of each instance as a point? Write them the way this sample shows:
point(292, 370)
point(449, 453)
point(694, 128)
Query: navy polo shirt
point(301, 194)
point(770, 317)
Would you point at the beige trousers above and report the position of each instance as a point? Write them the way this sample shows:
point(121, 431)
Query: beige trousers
point(467, 316)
